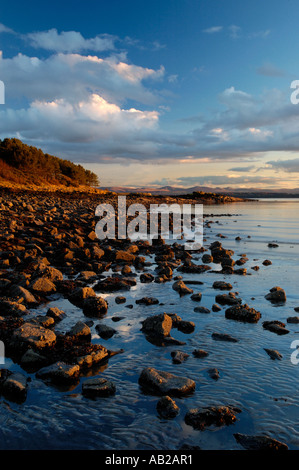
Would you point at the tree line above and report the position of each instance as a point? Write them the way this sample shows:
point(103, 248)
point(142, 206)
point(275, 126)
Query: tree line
point(37, 165)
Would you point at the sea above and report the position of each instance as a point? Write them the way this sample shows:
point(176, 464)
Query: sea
point(265, 390)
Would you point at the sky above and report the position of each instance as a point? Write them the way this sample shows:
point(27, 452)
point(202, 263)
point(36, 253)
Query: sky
point(168, 92)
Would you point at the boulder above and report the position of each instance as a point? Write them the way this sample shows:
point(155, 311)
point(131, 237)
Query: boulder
point(55, 313)
point(167, 407)
point(79, 295)
point(199, 353)
point(94, 307)
point(114, 284)
point(10, 308)
point(276, 326)
point(13, 385)
point(181, 288)
point(43, 286)
point(98, 387)
point(224, 337)
point(165, 383)
point(222, 285)
point(146, 278)
point(60, 373)
point(243, 313)
point(276, 295)
point(31, 335)
point(80, 331)
point(200, 418)
point(228, 299)
point(157, 325)
point(259, 442)
point(105, 331)
point(22, 293)
point(179, 356)
point(147, 301)
point(196, 297)
point(273, 354)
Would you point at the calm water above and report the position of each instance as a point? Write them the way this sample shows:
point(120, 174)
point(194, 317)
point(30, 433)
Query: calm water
point(265, 390)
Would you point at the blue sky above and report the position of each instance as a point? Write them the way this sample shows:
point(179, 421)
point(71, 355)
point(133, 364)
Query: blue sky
point(155, 93)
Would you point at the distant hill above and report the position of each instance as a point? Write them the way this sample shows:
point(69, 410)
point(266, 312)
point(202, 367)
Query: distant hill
point(233, 192)
point(22, 164)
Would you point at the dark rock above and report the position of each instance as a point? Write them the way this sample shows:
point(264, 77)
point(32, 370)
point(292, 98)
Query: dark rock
point(179, 356)
point(120, 300)
point(147, 301)
point(79, 295)
point(181, 288)
point(80, 331)
point(243, 313)
point(158, 325)
point(165, 383)
point(196, 297)
point(199, 353)
point(267, 262)
point(124, 256)
point(98, 387)
point(259, 442)
point(202, 310)
point(214, 373)
point(228, 299)
point(55, 313)
point(22, 293)
point(276, 295)
point(200, 418)
point(126, 270)
point(206, 258)
point(43, 320)
point(222, 285)
point(276, 327)
point(43, 286)
point(60, 373)
point(94, 307)
point(10, 308)
point(273, 354)
point(240, 271)
point(87, 276)
point(224, 337)
point(146, 278)
point(30, 335)
point(216, 308)
point(13, 385)
point(114, 284)
point(167, 408)
point(186, 326)
point(293, 320)
point(105, 331)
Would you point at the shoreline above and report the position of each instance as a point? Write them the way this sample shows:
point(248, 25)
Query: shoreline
point(50, 252)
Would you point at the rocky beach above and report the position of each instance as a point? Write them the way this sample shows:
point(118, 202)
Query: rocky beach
point(50, 255)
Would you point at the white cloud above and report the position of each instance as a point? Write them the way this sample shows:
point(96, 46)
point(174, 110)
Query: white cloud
point(75, 76)
point(70, 41)
point(213, 29)
point(235, 31)
point(5, 29)
point(102, 125)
